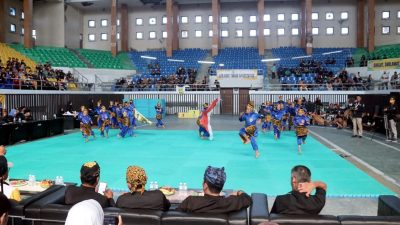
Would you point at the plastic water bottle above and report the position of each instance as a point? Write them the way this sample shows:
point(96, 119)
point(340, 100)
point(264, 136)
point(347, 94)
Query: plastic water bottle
point(61, 180)
point(57, 180)
point(180, 188)
point(45, 117)
point(54, 116)
point(151, 185)
point(185, 189)
point(14, 120)
point(155, 185)
point(32, 180)
point(42, 117)
point(19, 120)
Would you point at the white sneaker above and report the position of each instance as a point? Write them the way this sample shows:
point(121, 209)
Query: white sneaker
point(394, 141)
point(388, 140)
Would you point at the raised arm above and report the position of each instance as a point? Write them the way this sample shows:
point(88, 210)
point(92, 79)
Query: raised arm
point(212, 105)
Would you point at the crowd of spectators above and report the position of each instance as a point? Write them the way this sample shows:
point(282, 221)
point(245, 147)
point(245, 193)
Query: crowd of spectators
point(15, 74)
point(157, 82)
point(305, 67)
point(364, 60)
point(18, 114)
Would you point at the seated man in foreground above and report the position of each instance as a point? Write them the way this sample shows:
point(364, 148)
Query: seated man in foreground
point(299, 201)
point(212, 202)
point(139, 198)
point(90, 176)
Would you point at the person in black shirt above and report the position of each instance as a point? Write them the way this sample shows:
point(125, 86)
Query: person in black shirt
point(300, 201)
point(391, 112)
point(212, 201)
point(5, 207)
point(358, 110)
point(90, 176)
point(6, 118)
point(139, 198)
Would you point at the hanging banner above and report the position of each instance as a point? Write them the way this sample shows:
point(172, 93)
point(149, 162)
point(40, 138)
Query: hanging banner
point(240, 78)
point(384, 64)
point(2, 101)
point(237, 74)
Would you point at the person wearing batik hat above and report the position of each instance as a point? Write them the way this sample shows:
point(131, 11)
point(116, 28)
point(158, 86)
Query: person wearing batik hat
point(90, 177)
point(212, 201)
point(249, 133)
point(159, 113)
point(301, 121)
point(205, 129)
point(138, 197)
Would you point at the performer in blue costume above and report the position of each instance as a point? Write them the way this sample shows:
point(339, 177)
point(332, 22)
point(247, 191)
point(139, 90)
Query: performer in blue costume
point(125, 126)
point(159, 113)
point(119, 110)
point(86, 125)
point(104, 121)
point(265, 111)
point(97, 111)
point(301, 121)
point(277, 116)
point(112, 109)
point(249, 133)
point(130, 108)
point(291, 112)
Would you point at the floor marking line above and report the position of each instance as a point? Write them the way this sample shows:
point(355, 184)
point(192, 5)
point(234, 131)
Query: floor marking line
point(378, 142)
point(375, 170)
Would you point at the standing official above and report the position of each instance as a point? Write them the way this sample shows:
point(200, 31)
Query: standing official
point(358, 109)
point(391, 112)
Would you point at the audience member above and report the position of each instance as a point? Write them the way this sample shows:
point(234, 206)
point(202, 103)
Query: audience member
point(90, 176)
point(5, 207)
point(88, 212)
point(138, 197)
point(212, 201)
point(9, 191)
point(300, 201)
point(384, 81)
point(16, 75)
point(5, 117)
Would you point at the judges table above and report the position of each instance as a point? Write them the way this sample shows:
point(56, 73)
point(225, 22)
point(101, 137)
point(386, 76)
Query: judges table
point(28, 131)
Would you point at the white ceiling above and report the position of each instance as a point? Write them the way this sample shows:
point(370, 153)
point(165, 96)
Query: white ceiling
point(105, 4)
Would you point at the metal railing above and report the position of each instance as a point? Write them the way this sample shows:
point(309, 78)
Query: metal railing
point(395, 85)
point(111, 86)
point(79, 77)
point(20, 84)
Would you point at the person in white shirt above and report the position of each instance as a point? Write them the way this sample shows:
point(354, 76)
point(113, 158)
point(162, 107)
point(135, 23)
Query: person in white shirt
point(385, 81)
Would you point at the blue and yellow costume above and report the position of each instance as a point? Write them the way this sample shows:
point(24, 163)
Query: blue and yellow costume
point(125, 126)
point(86, 126)
point(277, 116)
point(291, 112)
point(130, 108)
point(301, 122)
point(265, 111)
point(250, 131)
point(159, 113)
point(113, 115)
point(104, 121)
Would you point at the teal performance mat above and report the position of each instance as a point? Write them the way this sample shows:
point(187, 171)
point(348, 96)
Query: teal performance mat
point(170, 157)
